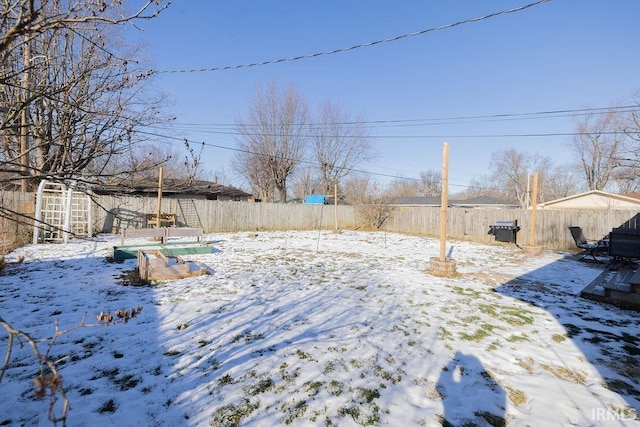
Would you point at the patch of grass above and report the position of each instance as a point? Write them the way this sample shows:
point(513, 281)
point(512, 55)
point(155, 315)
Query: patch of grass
point(393, 379)
point(572, 330)
point(468, 292)
point(626, 412)
point(518, 338)
point(127, 382)
point(329, 367)
point(294, 411)
point(470, 319)
point(108, 407)
point(594, 339)
point(632, 350)
point(132, 278)
point(356, 363)
point(106, 373)
point(247, 337)
point(364, 412)
point(566, 374)
point(260, 387)
point(85, 391)
point(312, 387)
point(477, 336)
point(368, 394)
point(443, 421)
point(494, 345)
point(526, 364)
point(622, 387)
point(631, 339)
point(444, 334)
point(335, 388)
point(232, 415)
point(301, 354)
point(559, 337)
point(490, 310)
point(517, 397)
point(492, 419)
point(516, 316)
point(226, 379)
point(171, 353)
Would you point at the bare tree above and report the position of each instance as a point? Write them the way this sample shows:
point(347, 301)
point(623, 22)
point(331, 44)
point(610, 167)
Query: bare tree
point(561, 181)
point(598, 146)
point(20, 18)
point(431, 182)
point(72, 97)
point(340, 143)
point(146, 159)
point(306, 182)
point(483, 185)
point(272, 139)
point(248, 166)
point(512, 171)
point(404, 188)
point(373, 205)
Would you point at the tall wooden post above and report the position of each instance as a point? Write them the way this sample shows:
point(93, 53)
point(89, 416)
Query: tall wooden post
point(534, 208)
point(159, 208)
point(444, 201)
point(443, 266)
point(335, 205)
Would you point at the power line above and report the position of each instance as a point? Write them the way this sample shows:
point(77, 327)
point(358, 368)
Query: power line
point(358, 46)
point(456, 119)
point(443, 136)
point(239, 150)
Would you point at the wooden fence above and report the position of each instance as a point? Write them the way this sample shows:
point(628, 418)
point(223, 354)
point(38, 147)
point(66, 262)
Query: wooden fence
point(16, 213)
point(111, 214)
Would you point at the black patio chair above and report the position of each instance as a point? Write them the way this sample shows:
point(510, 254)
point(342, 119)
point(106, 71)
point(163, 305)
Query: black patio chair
point(590, 247)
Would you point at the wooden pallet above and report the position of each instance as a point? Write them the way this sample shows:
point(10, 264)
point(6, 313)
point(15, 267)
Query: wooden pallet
point(154, 265)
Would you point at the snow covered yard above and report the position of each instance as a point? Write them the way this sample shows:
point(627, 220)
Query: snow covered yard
point(308, 328)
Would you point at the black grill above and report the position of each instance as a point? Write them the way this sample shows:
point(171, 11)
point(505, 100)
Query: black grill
point(505, 231)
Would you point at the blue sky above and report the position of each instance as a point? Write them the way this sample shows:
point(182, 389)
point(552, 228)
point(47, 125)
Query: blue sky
point(558, 55)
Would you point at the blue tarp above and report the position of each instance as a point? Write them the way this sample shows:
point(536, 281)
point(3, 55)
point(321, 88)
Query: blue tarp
point(314, 199)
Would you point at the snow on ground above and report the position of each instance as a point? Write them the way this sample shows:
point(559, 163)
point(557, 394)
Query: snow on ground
point(317, 328)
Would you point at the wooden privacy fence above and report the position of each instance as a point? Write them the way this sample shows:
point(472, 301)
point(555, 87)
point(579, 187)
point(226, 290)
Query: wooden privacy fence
point(462, 223)
point(16, 213)
point(112, 214)
point(551, 225)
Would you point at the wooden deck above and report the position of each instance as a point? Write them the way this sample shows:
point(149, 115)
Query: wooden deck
point(618, 284)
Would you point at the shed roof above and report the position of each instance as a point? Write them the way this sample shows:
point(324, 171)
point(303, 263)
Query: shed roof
point(594, 199)
point(171, 186)
point(477, 201)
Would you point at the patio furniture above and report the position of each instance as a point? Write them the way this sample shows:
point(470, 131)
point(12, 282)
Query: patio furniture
point(590, 247)
point(624, 244)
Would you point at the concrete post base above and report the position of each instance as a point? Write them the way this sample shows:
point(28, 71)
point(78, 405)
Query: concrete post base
point(446, 268)
point(532, 249)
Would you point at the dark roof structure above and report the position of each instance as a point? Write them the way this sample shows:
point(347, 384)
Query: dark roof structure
point(208, 189)
point(478, 201)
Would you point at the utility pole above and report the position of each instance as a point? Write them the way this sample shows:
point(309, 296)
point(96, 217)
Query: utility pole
point(24, 136)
